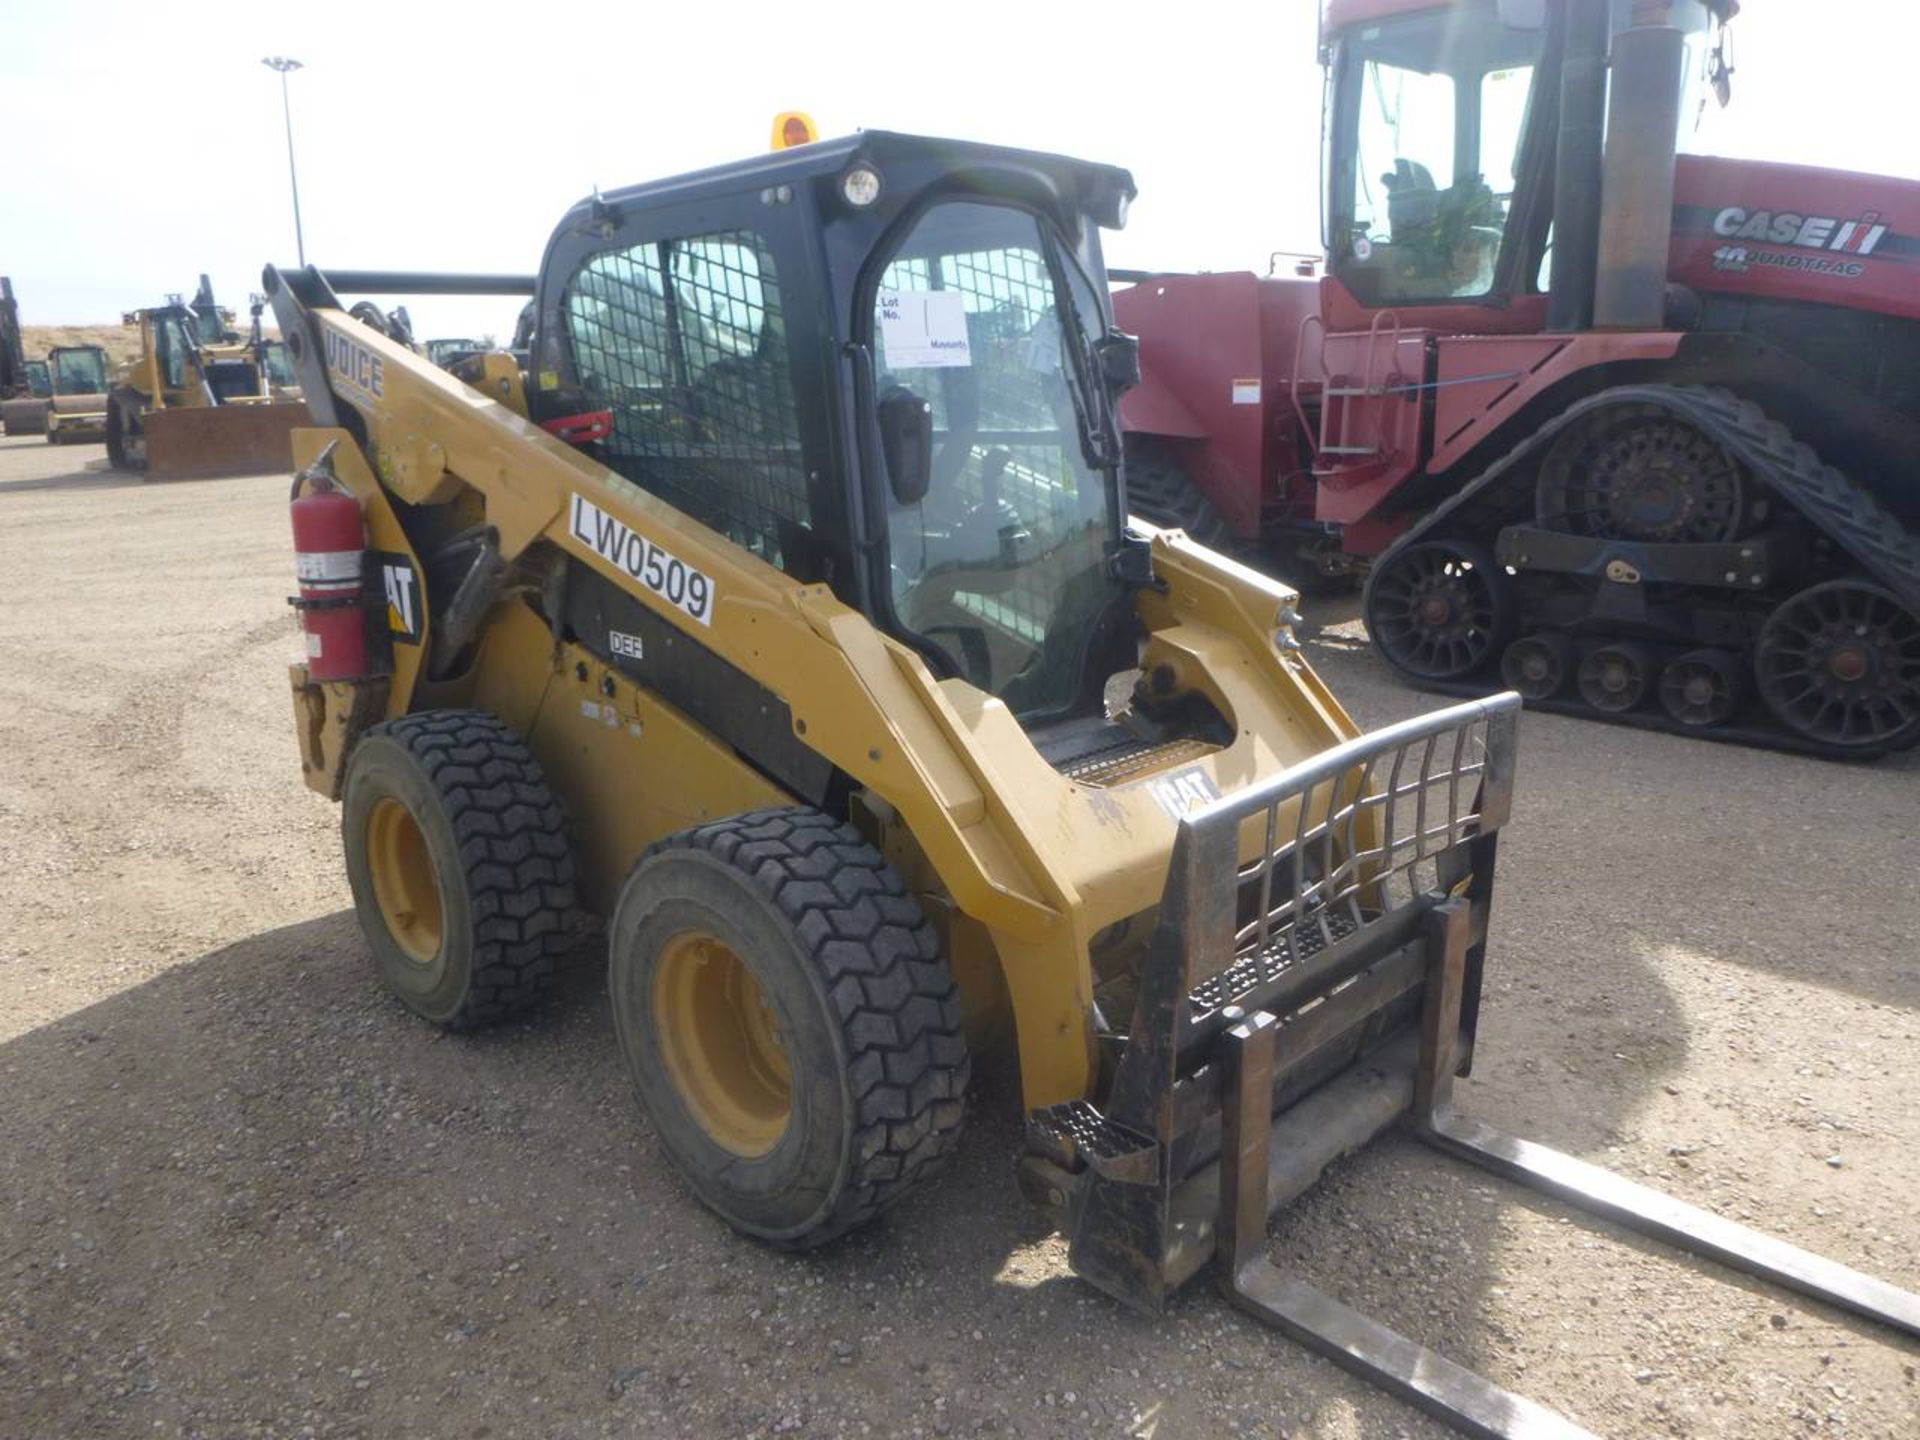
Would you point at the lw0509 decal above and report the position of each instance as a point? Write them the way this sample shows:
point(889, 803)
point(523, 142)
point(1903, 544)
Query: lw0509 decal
point(667, 576)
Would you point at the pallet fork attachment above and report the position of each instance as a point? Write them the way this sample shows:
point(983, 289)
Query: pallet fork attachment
point(1298, 1003)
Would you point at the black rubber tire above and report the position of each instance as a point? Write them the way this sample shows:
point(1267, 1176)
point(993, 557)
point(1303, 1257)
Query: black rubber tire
point(866, 1005)
point(1160, 491)
point(117, 455)
point(498, 843)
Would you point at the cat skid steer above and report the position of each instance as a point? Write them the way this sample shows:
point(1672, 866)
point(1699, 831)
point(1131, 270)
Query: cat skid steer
point(785, 612)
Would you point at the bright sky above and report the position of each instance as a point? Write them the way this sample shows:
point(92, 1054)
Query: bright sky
point(147, 143)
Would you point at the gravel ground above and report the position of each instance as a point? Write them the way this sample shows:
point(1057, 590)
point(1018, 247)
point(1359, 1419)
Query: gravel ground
point(242, 1193)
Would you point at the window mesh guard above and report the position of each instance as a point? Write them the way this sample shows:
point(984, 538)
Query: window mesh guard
point(685, 342)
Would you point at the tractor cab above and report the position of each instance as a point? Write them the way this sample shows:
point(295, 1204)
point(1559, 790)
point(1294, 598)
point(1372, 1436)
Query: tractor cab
point(77, 369)
point(39, 380)
point(1442, 145)
point(884, 364)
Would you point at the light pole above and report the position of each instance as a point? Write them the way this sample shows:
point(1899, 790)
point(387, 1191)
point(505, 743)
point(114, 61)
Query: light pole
point(282, 64)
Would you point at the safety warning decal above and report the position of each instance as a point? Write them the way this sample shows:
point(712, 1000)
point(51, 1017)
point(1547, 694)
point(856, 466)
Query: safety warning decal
point(672, 579)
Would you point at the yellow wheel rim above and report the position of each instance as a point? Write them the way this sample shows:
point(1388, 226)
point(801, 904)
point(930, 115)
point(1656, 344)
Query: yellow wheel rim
point(721, 1043)
point(404, 883)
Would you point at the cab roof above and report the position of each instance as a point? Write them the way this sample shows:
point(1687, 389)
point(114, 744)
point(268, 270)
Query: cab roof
point(830, 157)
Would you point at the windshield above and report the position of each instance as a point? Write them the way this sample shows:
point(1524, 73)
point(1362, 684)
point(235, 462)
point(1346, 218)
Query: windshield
point(79, 372)
point(279, 366)
point(1437, 105)
point(1002, 564)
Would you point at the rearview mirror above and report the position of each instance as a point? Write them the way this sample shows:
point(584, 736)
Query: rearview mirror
point(906, 443)
point(1119, 355)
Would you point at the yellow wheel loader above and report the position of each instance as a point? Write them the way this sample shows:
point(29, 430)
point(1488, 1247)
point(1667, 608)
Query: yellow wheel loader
point(785, 612)
point(200, 399)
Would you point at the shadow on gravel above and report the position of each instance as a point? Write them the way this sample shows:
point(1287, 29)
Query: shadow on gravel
point(253, 1192)
point(97, 476)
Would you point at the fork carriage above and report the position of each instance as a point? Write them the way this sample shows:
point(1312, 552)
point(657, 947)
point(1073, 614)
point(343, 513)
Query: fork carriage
point(1314, 978)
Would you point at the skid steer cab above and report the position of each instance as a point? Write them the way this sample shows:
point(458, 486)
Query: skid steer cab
point(783, 610)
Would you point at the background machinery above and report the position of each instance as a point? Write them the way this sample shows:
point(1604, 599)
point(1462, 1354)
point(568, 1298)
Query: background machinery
point(1633, 434)
point(77, 408)
point(784, 611)
point(25, 385)
point(200, 399)
point(450, 352)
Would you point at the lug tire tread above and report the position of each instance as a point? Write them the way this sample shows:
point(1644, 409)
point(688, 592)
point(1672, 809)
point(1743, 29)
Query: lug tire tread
point(891, 992)
point(512, 838)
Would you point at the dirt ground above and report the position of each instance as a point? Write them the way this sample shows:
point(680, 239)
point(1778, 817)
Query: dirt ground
point(243, 1194)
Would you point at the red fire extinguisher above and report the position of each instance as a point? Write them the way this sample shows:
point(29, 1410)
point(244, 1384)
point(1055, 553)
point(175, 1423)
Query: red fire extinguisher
point(328, 540)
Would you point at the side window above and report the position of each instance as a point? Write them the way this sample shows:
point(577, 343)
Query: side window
point(684, 341)
point(170, 338)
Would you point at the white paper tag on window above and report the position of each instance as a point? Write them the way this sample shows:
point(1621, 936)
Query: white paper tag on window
point(924, 329)
point(1246, 392)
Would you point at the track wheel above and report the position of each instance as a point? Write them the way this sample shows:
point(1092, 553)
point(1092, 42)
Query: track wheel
point(1440, 609)
point(458, 858)
point(1537, 666)
point(1639, 472)
point(1702, 687)
point(1839, 663)
point(1615, 678)
point(789, 1022)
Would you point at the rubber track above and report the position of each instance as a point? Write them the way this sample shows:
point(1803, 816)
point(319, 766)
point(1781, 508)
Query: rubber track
point(1856, 522)
point(512, 835)
point(1849, 516)
point(1159, 490)
point(892, 993)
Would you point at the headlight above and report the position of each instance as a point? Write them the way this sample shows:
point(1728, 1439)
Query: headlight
point(860, 186)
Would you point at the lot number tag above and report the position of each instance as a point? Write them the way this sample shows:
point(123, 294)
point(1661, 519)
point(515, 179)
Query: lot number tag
point(924, 329)
point(673, 580)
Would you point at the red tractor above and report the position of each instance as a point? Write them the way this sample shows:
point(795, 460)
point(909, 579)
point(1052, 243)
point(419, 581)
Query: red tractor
point(1634, 433)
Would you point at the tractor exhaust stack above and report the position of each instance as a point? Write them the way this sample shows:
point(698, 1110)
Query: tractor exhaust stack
point(1636, 215)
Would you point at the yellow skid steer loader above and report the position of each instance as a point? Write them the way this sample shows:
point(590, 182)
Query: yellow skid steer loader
point(785, 611)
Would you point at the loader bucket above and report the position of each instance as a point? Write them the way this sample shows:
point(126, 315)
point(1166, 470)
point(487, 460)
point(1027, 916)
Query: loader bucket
point(25, 416)
point(220, 440)
point(1314, 979)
